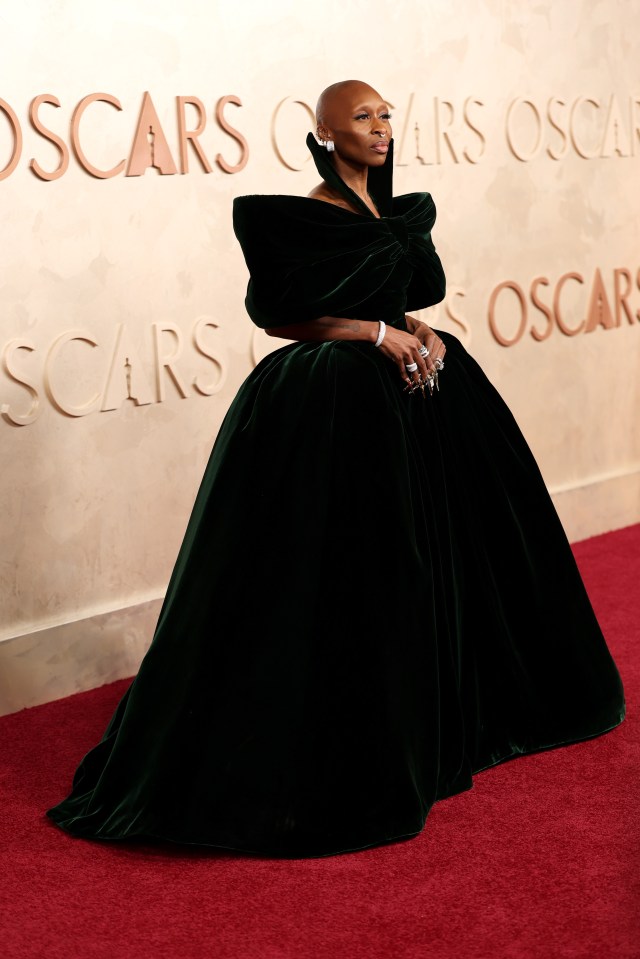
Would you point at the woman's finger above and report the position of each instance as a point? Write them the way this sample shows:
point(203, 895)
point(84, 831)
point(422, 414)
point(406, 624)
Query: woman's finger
point(438, 349)
point(428, 357)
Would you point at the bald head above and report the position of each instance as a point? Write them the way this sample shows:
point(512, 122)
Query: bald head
point(333, 98)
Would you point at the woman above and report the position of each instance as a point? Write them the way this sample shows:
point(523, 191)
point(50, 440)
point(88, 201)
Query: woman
point(374, 598)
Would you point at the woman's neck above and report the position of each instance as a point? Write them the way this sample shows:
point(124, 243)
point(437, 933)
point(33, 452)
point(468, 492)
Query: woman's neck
point(354, 176)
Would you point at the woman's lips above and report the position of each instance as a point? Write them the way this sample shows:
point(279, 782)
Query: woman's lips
point(380, 147)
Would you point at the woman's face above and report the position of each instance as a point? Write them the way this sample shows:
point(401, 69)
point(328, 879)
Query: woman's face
point(357, 120)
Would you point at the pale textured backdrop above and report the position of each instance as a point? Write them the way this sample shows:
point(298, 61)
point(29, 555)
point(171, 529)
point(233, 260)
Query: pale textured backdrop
point(94, 507)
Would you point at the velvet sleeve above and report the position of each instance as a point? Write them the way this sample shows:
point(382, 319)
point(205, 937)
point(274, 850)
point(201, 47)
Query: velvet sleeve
point(428, 283)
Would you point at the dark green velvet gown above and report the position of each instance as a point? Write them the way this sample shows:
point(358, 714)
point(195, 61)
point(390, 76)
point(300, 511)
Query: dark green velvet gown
point(374, 598)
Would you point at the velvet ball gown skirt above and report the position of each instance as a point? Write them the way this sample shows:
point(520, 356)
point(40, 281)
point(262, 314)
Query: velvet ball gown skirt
point(374, 599)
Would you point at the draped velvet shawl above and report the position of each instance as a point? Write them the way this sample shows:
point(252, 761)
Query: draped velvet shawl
point(309, 258)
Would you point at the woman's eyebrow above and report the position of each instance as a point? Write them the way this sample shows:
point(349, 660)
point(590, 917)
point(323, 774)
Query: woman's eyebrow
point(365, 106)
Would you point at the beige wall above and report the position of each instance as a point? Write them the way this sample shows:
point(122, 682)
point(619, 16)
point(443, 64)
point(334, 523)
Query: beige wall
point(95, 499)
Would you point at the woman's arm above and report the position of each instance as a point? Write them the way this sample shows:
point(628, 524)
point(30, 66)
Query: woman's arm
point(400, 347)
point(328, 328)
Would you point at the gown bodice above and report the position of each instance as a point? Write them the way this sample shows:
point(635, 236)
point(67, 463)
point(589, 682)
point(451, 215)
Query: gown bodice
point(308, 258)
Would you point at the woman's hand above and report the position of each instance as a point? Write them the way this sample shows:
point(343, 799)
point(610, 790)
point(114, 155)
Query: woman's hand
point(425, 334)
point(403, 349)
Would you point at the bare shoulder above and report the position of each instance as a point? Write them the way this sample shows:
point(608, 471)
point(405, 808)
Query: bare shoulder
point(320, 192)
point(325, 193)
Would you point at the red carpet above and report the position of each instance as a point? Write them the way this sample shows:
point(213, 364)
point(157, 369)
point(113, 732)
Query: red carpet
point(540, 860)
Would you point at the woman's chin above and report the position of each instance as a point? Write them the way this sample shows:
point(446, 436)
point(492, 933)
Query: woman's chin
point(376, 159)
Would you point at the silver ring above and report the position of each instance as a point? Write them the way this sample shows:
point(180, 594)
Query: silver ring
point(439, 363)
point(423, 351)
point(411, 367)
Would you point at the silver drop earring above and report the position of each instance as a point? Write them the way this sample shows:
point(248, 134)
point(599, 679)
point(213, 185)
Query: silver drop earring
point(330, 146)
